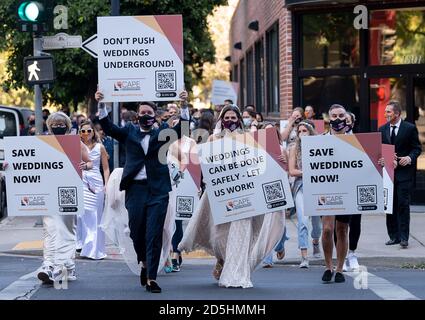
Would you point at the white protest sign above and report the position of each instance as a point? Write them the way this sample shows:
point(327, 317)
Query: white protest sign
point(388, 152)
point(341, 174)
point(184, 198)
point(140, 58)
point(224, 90)
point(43, 175)
point(244, 177)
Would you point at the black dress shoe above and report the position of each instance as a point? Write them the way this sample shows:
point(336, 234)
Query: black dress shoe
point(392, 242)
point(153, 287)
point(327, 276)
point(143, 277)
point(339, 277)
point(404, 244)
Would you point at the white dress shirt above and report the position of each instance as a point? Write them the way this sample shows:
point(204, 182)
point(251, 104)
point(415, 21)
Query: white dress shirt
point(397, 126)
point(145, 145)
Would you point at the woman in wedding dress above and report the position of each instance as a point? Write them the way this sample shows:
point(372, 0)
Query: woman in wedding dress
point(90, 238)
point(239, 246)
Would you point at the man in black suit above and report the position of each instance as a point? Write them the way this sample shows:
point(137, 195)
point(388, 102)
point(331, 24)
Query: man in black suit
point(146, 181)
point(404, 136)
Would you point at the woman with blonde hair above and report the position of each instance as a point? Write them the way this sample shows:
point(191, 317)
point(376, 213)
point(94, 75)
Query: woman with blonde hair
point(90, 237)
point(304, 128)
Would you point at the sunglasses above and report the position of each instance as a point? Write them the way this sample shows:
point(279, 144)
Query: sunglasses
point(86, 131)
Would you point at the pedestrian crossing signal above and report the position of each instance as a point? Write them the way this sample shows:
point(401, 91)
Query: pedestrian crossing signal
point(39, 70)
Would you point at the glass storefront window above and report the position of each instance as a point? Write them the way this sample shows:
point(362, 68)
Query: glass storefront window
point(322, 92)
point(329, 41)
point(382, 90)
point(419, 118)
point(272, 49)
point(397, 36)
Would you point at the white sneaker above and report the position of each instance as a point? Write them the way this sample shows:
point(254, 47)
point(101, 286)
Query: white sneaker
point(62, 273)
point(316, 251)
point(72, 275)
point(45, 274)
point(304, 263)
point(346, 265)
point(352, 260)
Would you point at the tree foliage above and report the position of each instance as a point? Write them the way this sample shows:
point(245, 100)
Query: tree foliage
point(76, 71)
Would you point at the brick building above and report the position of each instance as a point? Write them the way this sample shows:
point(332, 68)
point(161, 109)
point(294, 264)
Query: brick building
point(309, 52)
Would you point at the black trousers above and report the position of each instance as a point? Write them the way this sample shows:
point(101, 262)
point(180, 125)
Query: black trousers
point(398, 223)
point(177, 236)
point(146, 215)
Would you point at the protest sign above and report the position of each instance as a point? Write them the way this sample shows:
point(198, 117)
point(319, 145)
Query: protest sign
point(243, 176)
point(140, 58)
point(223, 90)
point(43, 175)
point(341, 174)
point(182, 157)
point(388, 151)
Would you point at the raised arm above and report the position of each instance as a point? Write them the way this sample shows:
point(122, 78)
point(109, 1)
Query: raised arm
point(110, 129)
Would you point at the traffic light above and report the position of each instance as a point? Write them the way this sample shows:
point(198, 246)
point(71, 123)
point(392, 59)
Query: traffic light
point(34, 16)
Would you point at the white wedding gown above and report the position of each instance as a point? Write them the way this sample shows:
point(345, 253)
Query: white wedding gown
point(242, 244)
point(115, 224)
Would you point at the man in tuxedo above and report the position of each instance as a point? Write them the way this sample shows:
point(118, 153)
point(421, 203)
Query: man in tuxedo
point(404, 136)
point(146, 181)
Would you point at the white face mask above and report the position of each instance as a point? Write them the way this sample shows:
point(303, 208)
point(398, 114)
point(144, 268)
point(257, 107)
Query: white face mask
point(247, 122)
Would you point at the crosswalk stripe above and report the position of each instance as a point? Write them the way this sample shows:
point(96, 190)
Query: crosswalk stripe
point(21, 289)
point(380, 286)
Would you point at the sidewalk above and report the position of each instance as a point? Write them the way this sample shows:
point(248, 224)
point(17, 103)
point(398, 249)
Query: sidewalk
point(19, 236)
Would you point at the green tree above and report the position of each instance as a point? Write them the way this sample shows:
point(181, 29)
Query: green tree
point(76, 70)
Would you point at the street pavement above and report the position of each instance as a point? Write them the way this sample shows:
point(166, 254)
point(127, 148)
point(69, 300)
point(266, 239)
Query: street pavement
point(388, 272)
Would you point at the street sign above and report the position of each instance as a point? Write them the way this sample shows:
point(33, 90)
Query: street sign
point(90, 46)
point(61, 41)
point(39, 70)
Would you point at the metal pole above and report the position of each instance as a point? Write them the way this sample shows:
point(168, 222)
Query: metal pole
point(115, 11)
point(38, 98)
point(38, 101)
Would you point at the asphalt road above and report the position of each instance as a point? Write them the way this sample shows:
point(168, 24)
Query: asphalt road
point(112, 280)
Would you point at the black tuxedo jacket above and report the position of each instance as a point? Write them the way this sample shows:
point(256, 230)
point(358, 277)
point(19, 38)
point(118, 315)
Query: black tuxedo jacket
point(406, 144)
point(158, 177)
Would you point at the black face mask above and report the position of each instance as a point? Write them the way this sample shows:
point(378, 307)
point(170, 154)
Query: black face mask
point(338, 124)
point(59, 131)
point(45, 118)
point(146, 121)
point(31, 122)
point(298, 120)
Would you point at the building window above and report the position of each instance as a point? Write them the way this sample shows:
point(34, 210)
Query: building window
point(397, 36)
point(329, 40)
point(235, 73)
point(322, 92)
point(242, 87)
point(259, 76)
point(250, 77)
point(272, 48)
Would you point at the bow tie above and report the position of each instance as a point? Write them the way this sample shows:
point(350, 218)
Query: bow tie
point(144, 134)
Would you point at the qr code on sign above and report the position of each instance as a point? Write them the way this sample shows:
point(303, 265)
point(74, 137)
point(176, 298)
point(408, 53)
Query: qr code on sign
point(184, 204)
point(366, 195)
point(273, 191)
point(165, 80)
point(67, 196)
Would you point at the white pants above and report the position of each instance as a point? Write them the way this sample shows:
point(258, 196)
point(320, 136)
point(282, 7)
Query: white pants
point(59, 241)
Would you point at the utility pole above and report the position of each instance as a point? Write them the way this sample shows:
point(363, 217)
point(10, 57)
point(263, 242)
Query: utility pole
point(115, 11)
